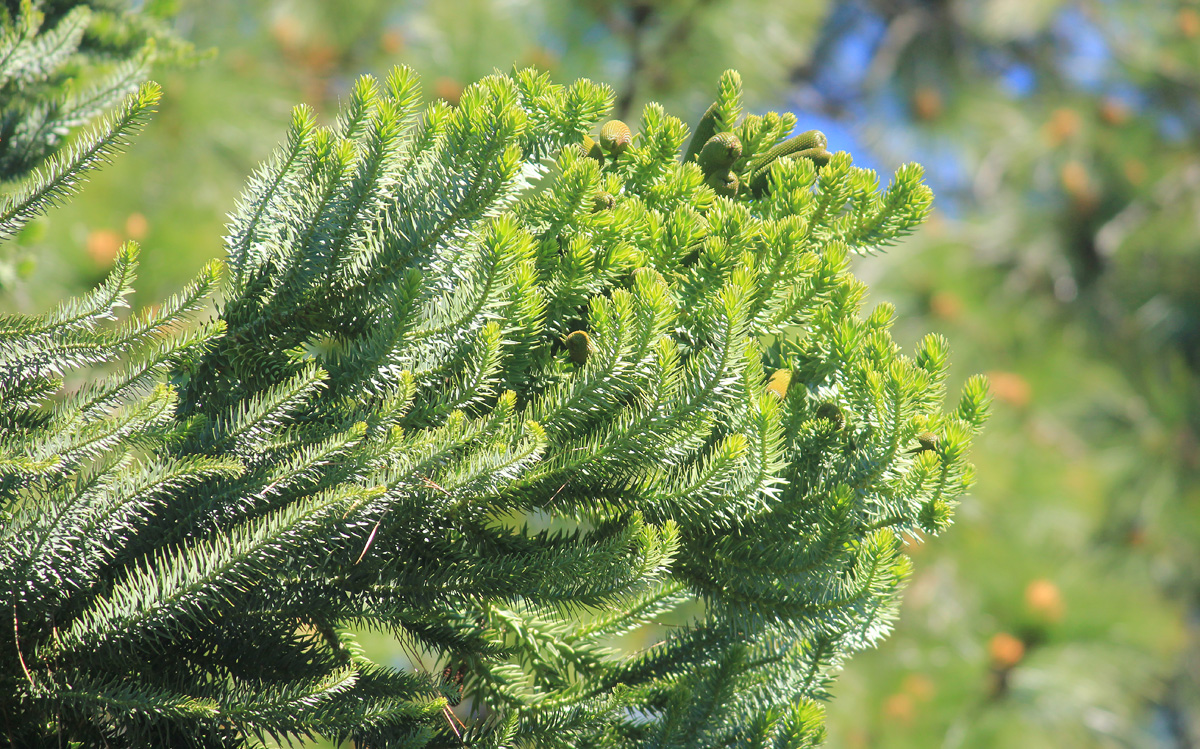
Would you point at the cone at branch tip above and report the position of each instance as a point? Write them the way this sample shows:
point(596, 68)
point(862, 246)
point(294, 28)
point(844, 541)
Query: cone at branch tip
point(603, 201)
point(719, 153)
point(579, 347)
point(810, 139)
point(926, 441)
point(615, 137)
point(831, 413)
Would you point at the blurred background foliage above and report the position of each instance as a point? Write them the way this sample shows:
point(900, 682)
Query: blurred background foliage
point(1062, 138)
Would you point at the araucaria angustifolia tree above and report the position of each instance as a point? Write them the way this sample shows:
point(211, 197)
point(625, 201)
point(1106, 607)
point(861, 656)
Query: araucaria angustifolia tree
point(498, 388)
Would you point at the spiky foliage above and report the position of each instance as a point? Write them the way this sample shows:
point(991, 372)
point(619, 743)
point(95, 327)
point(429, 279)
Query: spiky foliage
point(64, 172)
point(64, 64)
point(454, 396)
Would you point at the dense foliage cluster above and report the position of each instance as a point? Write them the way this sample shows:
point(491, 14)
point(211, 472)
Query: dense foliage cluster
point(496, 391)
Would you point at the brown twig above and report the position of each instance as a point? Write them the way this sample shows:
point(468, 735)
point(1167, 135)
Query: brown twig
point(370, 539)
point(432, 485)
point(17, 640)
point(448, 714)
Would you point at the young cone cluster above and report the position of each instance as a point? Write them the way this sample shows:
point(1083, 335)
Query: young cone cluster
point(456, 395)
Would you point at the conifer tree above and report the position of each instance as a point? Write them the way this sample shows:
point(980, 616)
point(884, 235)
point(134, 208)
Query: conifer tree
point(504, 384)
